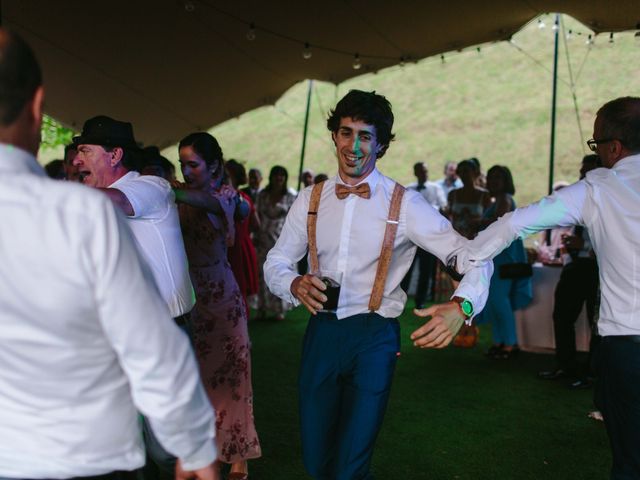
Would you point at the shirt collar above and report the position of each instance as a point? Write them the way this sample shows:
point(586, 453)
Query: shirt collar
point(16, 160)
point(372, 179)
point(626, 161)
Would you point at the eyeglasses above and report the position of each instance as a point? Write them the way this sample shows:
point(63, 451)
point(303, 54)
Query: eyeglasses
point(593, 144)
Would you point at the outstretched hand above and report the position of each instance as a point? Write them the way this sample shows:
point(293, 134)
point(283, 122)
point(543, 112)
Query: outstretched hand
point(445, 321)
point(308, 289)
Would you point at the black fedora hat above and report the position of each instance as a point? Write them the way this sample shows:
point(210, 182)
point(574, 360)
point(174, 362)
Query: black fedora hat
point(107, 132)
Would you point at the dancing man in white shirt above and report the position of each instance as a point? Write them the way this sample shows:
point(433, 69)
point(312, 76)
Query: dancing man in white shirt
point(361, 229)
point(606, 202)
point(85, 339)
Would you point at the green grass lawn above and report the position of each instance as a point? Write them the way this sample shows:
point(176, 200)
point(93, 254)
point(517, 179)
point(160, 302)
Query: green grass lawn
point(453, 414)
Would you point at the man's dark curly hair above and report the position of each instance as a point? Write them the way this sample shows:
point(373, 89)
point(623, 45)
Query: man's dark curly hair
point(368, 107)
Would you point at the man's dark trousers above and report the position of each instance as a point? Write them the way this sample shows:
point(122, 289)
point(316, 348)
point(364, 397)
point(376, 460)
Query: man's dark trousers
point(345, 378)
point(426, 277)
point(617, 396)
point(578, 285)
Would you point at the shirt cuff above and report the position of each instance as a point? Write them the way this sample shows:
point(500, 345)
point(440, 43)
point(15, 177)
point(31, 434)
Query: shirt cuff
point(204, 456)
point(287, 280)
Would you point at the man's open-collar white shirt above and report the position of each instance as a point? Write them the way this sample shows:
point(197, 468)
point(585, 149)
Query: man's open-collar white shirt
point(607, 203)
point(349, 237)
point(85, 339)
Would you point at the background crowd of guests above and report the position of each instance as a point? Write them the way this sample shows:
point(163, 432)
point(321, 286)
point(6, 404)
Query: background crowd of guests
point(470, 199)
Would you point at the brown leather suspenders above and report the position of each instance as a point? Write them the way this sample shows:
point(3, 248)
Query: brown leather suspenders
point(387, 245)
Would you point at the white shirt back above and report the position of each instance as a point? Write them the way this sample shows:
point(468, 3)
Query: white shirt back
point(84, 335)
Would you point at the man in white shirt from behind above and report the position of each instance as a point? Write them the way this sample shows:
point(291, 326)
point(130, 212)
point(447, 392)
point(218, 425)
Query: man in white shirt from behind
point(85, 339)
point(607, 203)
point(349, 354)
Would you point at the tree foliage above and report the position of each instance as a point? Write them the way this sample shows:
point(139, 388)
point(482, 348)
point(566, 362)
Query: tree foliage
point(54, 134)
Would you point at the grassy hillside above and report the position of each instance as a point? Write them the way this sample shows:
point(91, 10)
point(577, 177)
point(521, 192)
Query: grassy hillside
point(494, 105)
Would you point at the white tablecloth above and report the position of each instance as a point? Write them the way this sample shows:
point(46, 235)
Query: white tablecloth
point(534, 324)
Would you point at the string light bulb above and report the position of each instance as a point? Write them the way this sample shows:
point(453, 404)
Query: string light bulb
point(251, 33)
point(611, 40)
point(401, 63)
point(357, 64)
point(541, 24)
point(555, 26)
point(589, 42)
point(636, 36)
point(306, 53)
point(442, 59)
point(569, 35)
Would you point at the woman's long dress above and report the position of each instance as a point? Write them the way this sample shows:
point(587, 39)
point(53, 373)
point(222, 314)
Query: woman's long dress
point(220, 335)
point(272, 217)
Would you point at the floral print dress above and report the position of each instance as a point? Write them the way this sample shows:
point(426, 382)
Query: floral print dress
point(272, 217)
point(220, 335)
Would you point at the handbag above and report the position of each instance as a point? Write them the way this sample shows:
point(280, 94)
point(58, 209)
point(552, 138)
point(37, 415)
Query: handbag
point(515, 270)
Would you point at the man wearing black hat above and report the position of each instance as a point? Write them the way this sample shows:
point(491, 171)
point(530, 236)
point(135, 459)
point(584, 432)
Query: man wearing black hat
point(107, 158)
point(85, 339)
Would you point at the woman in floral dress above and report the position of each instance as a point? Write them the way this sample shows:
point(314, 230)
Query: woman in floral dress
point(218, 320)
point(273, 204)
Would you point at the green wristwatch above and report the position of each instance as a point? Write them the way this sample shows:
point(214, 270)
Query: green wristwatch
point(465, 305)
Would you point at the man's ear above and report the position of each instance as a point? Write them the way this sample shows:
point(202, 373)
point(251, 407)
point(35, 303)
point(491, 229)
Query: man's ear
point(116, 156)
point(37, 105)
point(333, 137)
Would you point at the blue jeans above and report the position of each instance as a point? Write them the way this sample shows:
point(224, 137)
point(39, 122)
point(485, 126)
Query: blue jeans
point(344, 384)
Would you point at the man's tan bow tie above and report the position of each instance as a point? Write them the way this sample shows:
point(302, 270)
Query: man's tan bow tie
point(362, 190)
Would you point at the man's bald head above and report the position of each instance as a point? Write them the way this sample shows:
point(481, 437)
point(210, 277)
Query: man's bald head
point(20, 76)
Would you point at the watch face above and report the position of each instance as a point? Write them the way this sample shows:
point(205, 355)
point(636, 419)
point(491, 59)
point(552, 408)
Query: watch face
point(467, 308)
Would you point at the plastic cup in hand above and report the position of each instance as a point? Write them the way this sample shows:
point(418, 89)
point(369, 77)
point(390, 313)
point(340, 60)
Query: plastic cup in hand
point(333, 280)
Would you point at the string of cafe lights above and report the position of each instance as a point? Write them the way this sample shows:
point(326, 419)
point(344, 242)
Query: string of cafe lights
point(308, 48)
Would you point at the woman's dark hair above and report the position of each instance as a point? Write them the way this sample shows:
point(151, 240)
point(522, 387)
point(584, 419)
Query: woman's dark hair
point(277, 170)
point(470, 164)
point(368, 107)
point(507, 178)
point(237, 170)
point(208, 148)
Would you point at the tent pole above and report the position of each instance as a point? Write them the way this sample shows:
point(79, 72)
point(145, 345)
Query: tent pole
point(553, 111)
point(304, 135)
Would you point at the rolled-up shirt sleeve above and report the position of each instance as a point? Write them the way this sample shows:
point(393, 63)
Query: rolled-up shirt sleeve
point(279, 268)
point(564, 208)
point(152, 351)
point(432, 232)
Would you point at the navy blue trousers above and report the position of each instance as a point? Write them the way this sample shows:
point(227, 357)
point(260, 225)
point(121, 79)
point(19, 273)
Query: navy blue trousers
point(617, 395)
point(345, 378)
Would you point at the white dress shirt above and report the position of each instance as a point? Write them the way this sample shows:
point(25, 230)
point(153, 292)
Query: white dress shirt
point(349, 239)
point(607, 203)
point(156, 228)
point(432, 193)
point(446, 187)
point(85, 339)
